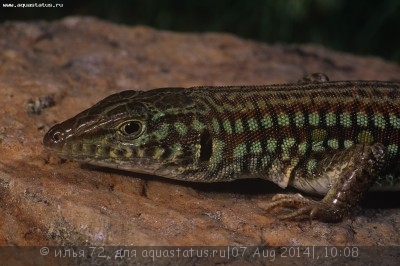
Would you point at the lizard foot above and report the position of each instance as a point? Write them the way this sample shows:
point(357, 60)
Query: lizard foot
point(304, 208)
point(348, 174)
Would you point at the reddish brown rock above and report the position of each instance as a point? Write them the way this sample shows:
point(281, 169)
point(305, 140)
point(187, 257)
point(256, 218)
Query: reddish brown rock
point(76, 62)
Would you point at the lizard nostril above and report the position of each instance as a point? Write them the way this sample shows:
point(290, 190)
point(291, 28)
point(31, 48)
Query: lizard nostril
point(56, 137)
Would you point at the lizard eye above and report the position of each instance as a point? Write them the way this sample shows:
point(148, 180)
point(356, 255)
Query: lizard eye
point(131, 129)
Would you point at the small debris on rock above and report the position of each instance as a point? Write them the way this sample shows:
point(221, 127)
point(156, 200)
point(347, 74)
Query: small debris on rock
point(36, 106)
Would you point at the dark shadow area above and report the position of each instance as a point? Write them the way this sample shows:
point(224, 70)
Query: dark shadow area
point(249, 187)
point(381, 200)
point(253, 187)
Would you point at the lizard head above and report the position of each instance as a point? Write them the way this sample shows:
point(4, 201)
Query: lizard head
point(155, 132)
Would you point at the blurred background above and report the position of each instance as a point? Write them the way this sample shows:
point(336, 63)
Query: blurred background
point(363, 27)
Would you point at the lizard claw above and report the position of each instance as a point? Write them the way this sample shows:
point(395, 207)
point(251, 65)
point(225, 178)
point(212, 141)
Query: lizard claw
point(304, 208)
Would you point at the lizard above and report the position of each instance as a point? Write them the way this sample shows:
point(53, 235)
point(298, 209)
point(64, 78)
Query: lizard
point(335, 139)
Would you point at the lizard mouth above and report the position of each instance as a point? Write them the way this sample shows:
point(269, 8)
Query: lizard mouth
point(105, 156)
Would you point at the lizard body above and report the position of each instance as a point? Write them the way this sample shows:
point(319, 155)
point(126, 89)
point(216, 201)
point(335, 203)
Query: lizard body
point(336, 139)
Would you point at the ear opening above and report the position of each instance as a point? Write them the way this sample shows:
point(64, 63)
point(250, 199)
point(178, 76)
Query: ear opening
point(205, 146)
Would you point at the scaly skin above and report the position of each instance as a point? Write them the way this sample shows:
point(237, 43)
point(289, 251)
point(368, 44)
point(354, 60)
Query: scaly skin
point(336, 139)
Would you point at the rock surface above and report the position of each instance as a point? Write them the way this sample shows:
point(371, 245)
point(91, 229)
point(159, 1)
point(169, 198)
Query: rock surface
point(51, 71)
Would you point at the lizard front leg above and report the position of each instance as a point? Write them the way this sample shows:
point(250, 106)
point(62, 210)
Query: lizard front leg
point(348, 173)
